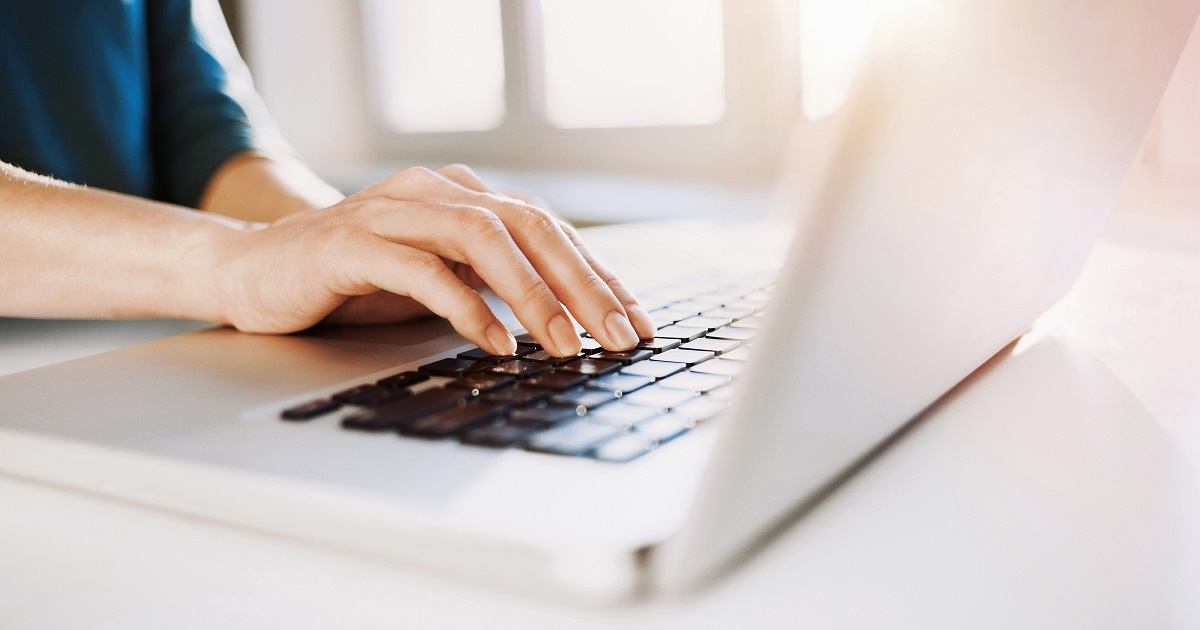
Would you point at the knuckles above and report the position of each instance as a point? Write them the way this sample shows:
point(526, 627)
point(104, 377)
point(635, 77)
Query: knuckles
point(413, 175)
point(593, 282)
point(461, 171)
point(532, 219)
point(480, 223)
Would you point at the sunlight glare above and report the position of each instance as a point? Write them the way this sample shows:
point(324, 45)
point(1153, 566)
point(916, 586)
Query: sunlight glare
point(833, 38)
point(440, 63)
point(631, 63)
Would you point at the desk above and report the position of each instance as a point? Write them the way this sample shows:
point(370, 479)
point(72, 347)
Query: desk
point(1058, 489)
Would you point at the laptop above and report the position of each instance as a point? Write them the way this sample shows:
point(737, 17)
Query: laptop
point(961, 187)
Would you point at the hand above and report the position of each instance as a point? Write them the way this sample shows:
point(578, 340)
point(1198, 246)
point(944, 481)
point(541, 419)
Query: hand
point(417, 236)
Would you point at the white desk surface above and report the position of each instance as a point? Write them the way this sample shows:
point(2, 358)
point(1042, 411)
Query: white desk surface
point(1058, 489)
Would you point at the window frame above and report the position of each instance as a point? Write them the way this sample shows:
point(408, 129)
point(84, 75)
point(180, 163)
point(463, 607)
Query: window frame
point(759, 102)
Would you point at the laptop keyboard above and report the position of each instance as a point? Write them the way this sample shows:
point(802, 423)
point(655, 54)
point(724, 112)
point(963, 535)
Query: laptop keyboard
point(609, 406)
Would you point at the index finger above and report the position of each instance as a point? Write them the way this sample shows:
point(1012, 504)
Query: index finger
point(555, 258)
point(641, 320)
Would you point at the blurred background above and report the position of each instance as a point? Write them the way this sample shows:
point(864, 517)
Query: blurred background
point(614, 110)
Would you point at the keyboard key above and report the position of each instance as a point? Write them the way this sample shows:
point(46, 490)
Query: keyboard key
point(658, 344)
point(557, 381)
point(479, 354)
point(624, 448)
point(584, 399)
point(680, 332)
point(590, 346)
point(518, 396)
point(751, 323)
point(701, 409)
point(741, 354)
point(310, 410)
point(526, 339)
point(659, 397)
point(386, 397)
point(544, 415)
point(496, 435)
point(707, 323)
point(671, 313)
point(403, 379)
point(622, 414)
point(482, 382)
point(695, 381)
point(729, 332)
point(541, 356)
point(720, 366)
point(354, 395)
point(722, 393)
point(625, 357)
point(662, 322)
point(576, 438)
point(726, 312)
point(724, 296)
point(719, 346)
point(664, 428)
point(590, 367)
point(454, 368)
point(370, 395)
point(740, 304)
point(654, 369)
point(447, 422)
point(687, 357)
point(620, 384)
point(405, 410)
point(695, 307)
point(519, 368)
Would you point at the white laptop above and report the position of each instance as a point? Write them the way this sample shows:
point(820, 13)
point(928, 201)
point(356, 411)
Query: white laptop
point(966, 178)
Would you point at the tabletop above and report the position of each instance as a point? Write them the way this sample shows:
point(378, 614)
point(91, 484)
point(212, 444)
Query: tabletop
point(1058, 487)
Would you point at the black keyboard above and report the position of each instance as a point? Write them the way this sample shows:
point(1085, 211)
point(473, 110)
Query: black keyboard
point(610, 406)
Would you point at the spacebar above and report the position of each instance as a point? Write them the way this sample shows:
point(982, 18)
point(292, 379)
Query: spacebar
point(406, 410)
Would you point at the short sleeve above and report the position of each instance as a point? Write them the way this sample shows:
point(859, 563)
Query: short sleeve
point(204, 109)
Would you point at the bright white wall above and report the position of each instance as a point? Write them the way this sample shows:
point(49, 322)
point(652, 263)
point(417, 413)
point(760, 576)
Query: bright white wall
point(306, 58)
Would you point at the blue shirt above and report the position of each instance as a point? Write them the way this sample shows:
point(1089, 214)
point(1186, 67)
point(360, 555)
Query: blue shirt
point(145, 97)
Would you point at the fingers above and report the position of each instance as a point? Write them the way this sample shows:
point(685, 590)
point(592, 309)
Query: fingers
point(641, 320)
point(477, 237)
point(464, 176)
point(537, 235)
point(563, 267)
point(423, 276)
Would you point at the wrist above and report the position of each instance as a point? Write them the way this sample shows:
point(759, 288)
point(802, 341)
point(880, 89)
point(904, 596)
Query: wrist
point(207, 262)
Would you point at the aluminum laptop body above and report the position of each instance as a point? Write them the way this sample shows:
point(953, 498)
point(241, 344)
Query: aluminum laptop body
point(967, 176)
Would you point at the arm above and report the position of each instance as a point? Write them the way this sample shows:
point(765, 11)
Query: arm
point(69, 251)
point(256, 188)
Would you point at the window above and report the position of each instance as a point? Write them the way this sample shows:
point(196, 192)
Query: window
point(464, 89)
point(653, 87)
point(604, 68)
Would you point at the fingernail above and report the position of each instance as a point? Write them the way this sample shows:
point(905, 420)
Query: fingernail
point(620, 331)
point(503, 342)
point(564, 336)
point(641, 320)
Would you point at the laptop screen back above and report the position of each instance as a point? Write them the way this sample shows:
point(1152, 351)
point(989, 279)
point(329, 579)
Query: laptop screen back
point(977, 156)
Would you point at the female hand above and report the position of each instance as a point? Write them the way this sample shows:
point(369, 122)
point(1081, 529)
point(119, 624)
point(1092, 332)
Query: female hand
point(422, 236)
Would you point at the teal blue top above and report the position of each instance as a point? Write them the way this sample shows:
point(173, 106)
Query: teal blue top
point(145, 97)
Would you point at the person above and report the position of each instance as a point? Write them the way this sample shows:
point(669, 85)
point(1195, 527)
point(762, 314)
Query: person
point(120, 119)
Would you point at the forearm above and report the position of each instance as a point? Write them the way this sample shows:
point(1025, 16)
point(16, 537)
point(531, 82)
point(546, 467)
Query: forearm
point(255, 188)
point(68, 251)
